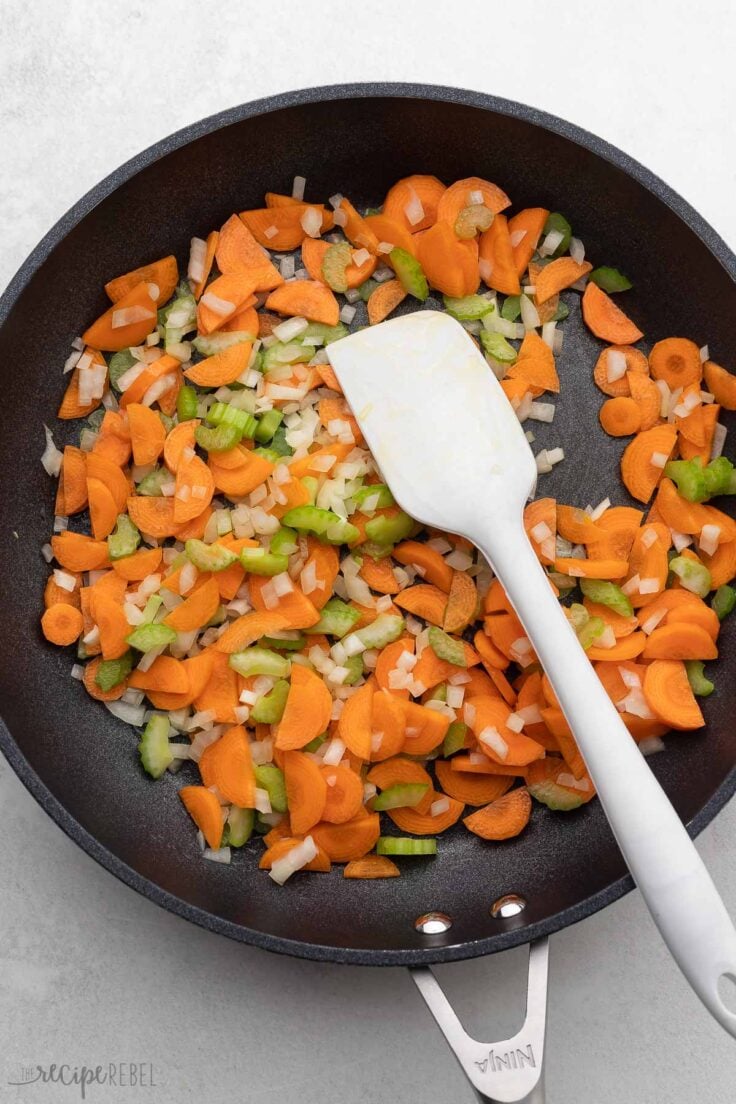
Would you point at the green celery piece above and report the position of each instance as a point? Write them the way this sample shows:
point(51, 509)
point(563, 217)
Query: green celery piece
point(151, 608)
point(607, 594)
point(693, 576)
point(311, 485)
point(258, 561)
point(111, 672)
point(145, 637)
point(438, 693)
point(447, 647)
point(324, 524)
point(409, 273)
point(95, 419)
point(168, 423)
point(578, 616)
point(610, 280)
point(260, 661)
point(316, 743)
point(385, 498)
point(455, 738)
point(511, 309)
point(336, 260)
point(591, 630)
point(388, 530)
point(271, 779)
point(326, 334)
point(124, 539)
point(211, 344)
point(556, 221)
point(561, 313)
point(699, 684)
point(723, 601)
point(386, 628)
point(268, 423)
point(284, 644)
point(279, 444)
point(229, 415)
point(469, 308)
point(496, 346)
point(184, 308)
point(689, 477)
point(240, 825)
point(220, 439)
point(285, 541)
point(367, 288)
point(209, 557)
point(405, 845)
point(718, 476)
point(355, 667)
point(152, 483)
point(336, 619)
point(186, 403)
point(281, 353)
point(119, 364)
point(269, 709)
point(267, 453)
point(554, 796)
point(376, 551)
point(401, 796)
point(153, 748)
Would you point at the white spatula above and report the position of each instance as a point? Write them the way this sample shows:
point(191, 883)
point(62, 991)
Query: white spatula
point(455, 456)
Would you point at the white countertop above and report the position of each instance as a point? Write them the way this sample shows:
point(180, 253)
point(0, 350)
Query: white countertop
point(89, 971)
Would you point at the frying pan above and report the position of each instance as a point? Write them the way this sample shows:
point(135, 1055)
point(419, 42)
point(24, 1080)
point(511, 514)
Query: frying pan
point(80, 763)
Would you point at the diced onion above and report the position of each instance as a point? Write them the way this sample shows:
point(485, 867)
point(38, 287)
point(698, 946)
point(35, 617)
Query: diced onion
point(311, 222)
point(414, 210)
point(217, 305)
point(297, 857)
point(719, 440)
point(297, 188)
point(615, 365)
point(127, 316)
point(492, 738)
point(577, 250)
point(51, 457)
point(197, 257)
point(710, 537)
point(529, 313)
point(651, 745)
point(441, 805)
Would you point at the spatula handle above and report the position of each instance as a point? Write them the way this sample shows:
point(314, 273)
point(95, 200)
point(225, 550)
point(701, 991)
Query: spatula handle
point(683, 901)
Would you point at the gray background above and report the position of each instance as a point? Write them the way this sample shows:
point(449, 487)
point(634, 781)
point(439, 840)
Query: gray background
point(90, 972)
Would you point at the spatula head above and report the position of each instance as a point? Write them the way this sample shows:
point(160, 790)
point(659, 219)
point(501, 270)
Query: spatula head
point(434, 415)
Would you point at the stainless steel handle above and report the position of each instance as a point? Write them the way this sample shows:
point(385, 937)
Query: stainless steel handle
point(509, 1071)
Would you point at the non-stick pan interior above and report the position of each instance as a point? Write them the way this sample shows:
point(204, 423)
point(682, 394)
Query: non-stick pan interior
point(80, 761)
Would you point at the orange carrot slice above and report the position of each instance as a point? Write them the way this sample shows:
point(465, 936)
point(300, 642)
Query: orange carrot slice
point(127, 322)
point(668, 694)
point(504, 818)
point(204, 809)
point(164, 274)
point(639, 474)
point(372, 866)
point(306, 299)
point(606, 320)
point(308, 710)
point(62, 624)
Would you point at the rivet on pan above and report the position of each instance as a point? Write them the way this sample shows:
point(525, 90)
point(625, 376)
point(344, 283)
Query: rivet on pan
point(511, 904)
point(433, 923)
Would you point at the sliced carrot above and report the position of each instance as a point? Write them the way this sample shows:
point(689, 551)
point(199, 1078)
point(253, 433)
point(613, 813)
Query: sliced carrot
point(209, 258)
point(639, 474)
point(53, 593)
point(621, 626)
point(504, 818)
point(102, 509)
point(179, 439)
point(379, 575)
point(489, 713)
point(496, 258)
point(636, 364)
point(590, 568)
point(95, 691)
point(72, 492)
point(320, 864)
point(194, 489)
point(349, 841)
point(669, 696)
point(152, 515)
point(535, 364)
point(721, 383)
point(204, 809)
point(430, 670)
point(400, 771)
point(344, 794)
point(465, 764)
point(372, 866)
point(196, 610)
point(165, 673)
point(355, 227)
point(229, 768)
point(286, 221)
point(425, 728)
point(306, 299)
point(355, 723)
point(680, 640)
point(139, 306)
point(676, 360)
point(329, 379)
point(240, 481)
point(164, 274)
point(222, 368)
point(71, 407)
point(237, 250)
point(225, 297)
point(471, 789)
point(648, 561)
point(556, 772)
point(387, 662)
point(389, 231)
point(504, 629)
point(100, 468)
point(449, 264)
point(166, 365)
point(198, 670)
point(308, 710)
point(490, 654)
point(628, 647)
point(463, 194)
point(722, 564)
point(306, 790)
point(110, 619)
point(619, 526)
point(462, 603)
point(322, 566)
point(576, 526)
point(430, 563)
point(297, 610)
point(558, 275)
point(387, 720)
point(409, 819)
point(275, 199)
point(645, 393)
point(62, 623)
point(620, 417)
point(425, 601)
point(700, 443)
point(384, 299)
point(606, 320)
point(531, 221)
point(249, 628)
point(408, 195)
point(147, 434)
point(313, 255)
point(75, 552)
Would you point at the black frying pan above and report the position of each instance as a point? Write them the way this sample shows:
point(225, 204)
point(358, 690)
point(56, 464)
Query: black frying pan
point(79, 762)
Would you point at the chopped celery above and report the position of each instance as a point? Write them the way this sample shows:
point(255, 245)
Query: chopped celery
point(279, 444)
point(239, 825)
point(95, 419)
point(377, 491)
point(405, 845)
point(311, 486)
point(186, 403)
point(260, 562)
point(154, 747)
point(388, 530)
point(260, 661)
point(699, 684)
point(179, 316)
point(366, 289)
point(152, 483)
point(607, 594)
point(230, 415)
point(498, 347)
point(689, 477)
point(556, 221)
point(376, 551)
point(555, 797)
point(694, 576)
point(168, 423)
point(561, 313)
point(316, 743)
point(355, 668)
point(410, 273)
point(473, 219)
point(455, 738)
point(447, 647)
point(209, 557)
point(723, 601)
point(111, 672)
point(336, 260)
point(324, 524)
point(269, 709)
point(119, 364)
point(590, 631)
point(145, 637)
point(271, 779)
point(285, 541)
point(719, 476)
point(386, 628)
point(267, 453)
point(511, 309)
point(284, 644)
point(577, 615)
point(610, 279)
point(469, 308)
point(212, 344)
point(326, 334)
point(437, 693)
point(268, 423)
point(151, 608)
point(336, 619)
point(400, 796)
point(281, 353)
point(124, 540)
point(261, 826)
point(220, 439)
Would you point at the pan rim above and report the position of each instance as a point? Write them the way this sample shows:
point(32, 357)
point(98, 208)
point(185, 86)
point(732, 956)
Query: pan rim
point(515, 935)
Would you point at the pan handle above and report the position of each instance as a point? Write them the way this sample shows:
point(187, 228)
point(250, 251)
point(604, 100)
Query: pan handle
point(510, 1071)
